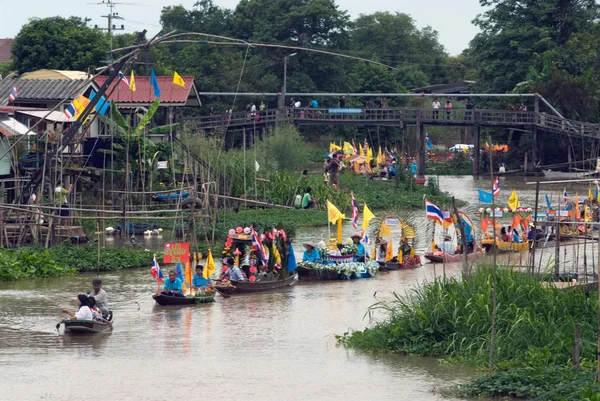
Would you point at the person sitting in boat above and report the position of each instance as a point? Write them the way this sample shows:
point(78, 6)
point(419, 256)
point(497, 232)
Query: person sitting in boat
point(381, 251)
point(502, 233)
point(172, 286)
point(405, 248)
point(516, 236)
point(447, 245)
point(311, 254)
point(100, 296)
point(199, 282)
point(96, 312)
point(233, 272)
point(361, 251)
point(83, 309)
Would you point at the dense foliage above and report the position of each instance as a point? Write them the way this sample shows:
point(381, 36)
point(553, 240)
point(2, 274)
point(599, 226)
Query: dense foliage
point(451, 319)
point(59, 43)
point(36, 262)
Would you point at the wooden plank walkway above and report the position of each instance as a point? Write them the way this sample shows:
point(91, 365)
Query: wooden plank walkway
point(400, 117)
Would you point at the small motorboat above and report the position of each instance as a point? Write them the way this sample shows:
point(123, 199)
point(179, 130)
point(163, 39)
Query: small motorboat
point(204, 297)
point(75, 326)
point(237, 287)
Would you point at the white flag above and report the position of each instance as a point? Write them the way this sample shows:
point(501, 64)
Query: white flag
point(256, 165)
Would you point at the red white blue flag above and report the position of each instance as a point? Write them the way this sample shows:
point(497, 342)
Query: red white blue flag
point(496, 187)
point(433, 212)
point(13, 94)
point(354, 212)
point(259, 246)
point(155, 271)
point(123, 78)
point(565, 197)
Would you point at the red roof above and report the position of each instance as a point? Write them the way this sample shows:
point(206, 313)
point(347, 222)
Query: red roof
point(169, 92)
point(5, 50)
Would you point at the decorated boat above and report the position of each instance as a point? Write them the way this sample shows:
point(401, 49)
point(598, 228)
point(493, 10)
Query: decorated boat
point(204, 297)
point(171, 196)
point(405, 257)
point(340, 261)
point(267, 261)
point(75, 326)
point(439, 255)
point(517, 218)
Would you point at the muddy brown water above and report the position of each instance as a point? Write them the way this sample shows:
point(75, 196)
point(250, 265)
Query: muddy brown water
point(270, 346)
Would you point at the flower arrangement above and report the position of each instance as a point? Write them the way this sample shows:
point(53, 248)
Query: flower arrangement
point(239, 230)
point(247, 230)
point(347, 269)
point(349, 249)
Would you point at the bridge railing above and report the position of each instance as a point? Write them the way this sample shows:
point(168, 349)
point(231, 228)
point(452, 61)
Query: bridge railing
point(405, 114)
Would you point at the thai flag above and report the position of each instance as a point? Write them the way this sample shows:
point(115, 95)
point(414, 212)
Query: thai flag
point(433, 212)
point(70, 111)
point(155, 271)
point(496, 187)
point(365, 145)
point(13, 94)
point(261, 250)
point(565, 197)
point(354, 212)
point(365, 237)
point(355, 149)
point(123, 78)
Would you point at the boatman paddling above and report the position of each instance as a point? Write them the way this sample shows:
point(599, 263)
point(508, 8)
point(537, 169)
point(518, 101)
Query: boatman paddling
point(173, 286)
point(359, 256)
point(100, 296)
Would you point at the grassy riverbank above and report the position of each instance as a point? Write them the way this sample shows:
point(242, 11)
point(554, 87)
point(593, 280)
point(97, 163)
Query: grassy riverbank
point(451, 319)
point(63, 260)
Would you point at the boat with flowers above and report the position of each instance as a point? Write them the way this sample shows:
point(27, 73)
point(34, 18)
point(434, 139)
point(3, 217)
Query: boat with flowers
point(405, 257)
point(439, 255)
point(518, 218)
point(337, 263)
point(267, 261)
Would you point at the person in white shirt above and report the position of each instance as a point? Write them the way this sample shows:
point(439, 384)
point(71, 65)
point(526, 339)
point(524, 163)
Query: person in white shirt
point(447, 246)
point(436, 107)
point(83, 311)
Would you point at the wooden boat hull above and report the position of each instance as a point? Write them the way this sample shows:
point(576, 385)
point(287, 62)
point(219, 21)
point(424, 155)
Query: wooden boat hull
point(445, 258)
point(239, 287)
point(167, 300)
point(74, 326)
point(388, 266)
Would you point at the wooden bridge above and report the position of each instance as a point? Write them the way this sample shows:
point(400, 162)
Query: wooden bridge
point(400, 117)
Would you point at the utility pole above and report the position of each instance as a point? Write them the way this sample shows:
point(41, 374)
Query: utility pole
point(110, 27)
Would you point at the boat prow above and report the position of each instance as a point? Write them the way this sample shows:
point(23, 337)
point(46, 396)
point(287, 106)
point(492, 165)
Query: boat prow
point(447, 258)
point(258, 286)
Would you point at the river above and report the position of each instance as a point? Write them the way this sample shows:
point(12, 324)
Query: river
point(270, 346)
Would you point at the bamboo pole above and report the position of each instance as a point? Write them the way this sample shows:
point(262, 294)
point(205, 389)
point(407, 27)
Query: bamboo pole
point(339, 231)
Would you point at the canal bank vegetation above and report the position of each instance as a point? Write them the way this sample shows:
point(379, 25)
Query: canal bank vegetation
point(64, 260)
point(452, 319)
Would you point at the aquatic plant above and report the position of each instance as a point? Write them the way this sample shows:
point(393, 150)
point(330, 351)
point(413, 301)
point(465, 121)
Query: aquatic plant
point(451, 319)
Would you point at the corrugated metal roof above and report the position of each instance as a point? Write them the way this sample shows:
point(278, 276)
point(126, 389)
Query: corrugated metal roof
point(55, 74)
point(5, 50)
point(144, 94)
point(9, 127)
point(42, 89)
point(54, 116)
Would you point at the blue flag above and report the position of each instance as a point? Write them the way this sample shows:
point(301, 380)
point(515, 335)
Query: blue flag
point(102, 105)
point(485, 197)
point(179, 272)
point(154, 84)
point(548, 203)
point(291, 262)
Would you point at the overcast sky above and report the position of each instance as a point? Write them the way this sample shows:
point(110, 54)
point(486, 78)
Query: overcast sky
point(452, 19)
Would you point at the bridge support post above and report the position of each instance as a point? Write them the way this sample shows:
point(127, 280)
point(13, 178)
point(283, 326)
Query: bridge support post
point(535, 151)
point(422, 149)
point(476, 148)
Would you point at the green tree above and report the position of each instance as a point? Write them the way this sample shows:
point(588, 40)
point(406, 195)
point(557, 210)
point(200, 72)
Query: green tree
point(515, 34)
point(59, 43)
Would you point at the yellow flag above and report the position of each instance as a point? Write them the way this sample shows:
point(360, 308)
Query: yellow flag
point(367, 217)
point(334, 148)
point(513, 201)
point(379, 157)
point(389, 252)
point(276, 254)
point(348, 148)
point(334, 213)
point(132, 82)
point(361, 151)
point(369, 156)
point(209, 269)
point(587, 215)
point(177, 80)
point(385, 231)
point(589, 193)
point(577, 215)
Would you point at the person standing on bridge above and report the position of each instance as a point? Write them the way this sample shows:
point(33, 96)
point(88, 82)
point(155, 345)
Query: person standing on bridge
point(436, 107)
point(342, 102)
point(469, 112)
point(448, 109)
